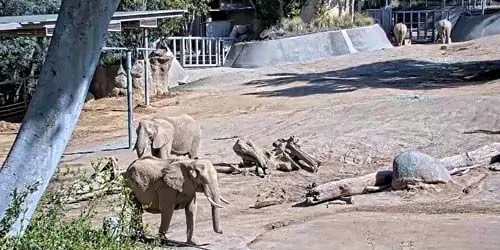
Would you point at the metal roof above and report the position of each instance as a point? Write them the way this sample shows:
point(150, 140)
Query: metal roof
point(43, 25)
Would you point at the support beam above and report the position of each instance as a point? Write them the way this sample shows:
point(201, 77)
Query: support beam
point(56, 106)
point(130, 109)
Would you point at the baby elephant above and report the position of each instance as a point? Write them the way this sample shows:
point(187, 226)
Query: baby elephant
point(399, 33)
point(171, 184)
point(179, 135)
point(443, 28)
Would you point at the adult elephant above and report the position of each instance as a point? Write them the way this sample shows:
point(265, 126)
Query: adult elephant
point(399, 31)
point(443, 28)
point(167, 185)
point(179, 135)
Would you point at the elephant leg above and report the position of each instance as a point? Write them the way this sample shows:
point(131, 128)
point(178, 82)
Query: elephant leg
point(167, 206)
point(190, 211)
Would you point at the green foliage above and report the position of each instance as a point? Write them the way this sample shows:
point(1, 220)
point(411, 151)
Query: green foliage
point(21, 56)
point(273, 12)
point(50, 230)
point(325, 21)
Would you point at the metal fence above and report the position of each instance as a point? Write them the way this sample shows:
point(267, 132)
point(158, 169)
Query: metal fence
point(15, 96)
point(420, 23)
point(200, 51)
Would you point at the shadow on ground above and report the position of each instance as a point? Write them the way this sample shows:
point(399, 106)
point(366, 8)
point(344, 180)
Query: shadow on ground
point(401, 74)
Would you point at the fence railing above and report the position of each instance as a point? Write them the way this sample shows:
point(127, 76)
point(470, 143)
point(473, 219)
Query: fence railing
point(200, 51)
point(421, 24)
point(15, 96)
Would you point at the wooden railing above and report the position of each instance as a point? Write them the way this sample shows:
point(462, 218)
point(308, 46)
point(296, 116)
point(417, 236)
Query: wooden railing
point(200, 51)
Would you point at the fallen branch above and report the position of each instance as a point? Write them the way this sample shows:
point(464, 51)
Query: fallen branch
point(347, 187)
point(266, 203)
point(225, 138)
point(463, 170)
point(91, 195)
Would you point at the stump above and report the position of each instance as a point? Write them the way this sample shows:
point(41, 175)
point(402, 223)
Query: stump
point(253, 155)
point(286, 156)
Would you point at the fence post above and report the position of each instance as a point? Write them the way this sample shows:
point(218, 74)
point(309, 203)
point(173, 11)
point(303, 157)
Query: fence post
point(434, 27)
point(146, 67)
point(182, 52)
point(130, 100)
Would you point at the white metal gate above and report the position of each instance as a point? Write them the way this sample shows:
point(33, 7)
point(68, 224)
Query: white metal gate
point(194, 51)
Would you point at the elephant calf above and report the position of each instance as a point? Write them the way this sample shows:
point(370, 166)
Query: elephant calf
point(178, 135)
point(399, 33)
point(443, 28)
point(167, 185)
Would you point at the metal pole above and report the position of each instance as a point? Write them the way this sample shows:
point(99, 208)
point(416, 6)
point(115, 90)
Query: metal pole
point(130, 100)
point(146, 67)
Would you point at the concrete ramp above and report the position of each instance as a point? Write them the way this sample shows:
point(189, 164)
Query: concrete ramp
point(473, 27)
point(306, 48)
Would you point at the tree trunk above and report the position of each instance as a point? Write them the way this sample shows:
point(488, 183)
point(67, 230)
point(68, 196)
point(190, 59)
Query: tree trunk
point(55, 108)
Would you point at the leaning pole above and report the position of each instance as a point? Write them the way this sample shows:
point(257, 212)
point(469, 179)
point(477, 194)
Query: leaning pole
point(56, 105)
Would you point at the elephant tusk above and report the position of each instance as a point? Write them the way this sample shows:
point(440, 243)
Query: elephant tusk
point(224, 200)
point(213, 202)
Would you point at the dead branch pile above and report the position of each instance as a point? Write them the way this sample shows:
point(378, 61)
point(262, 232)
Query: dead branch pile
point(488, 155)
point(285, 156)
point(104, 180)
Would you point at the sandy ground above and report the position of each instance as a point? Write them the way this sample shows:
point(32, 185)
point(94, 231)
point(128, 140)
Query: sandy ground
point(354, 113)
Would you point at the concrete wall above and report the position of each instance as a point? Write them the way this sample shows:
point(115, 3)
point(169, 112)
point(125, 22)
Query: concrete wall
point(473, 27)
point(306, 48)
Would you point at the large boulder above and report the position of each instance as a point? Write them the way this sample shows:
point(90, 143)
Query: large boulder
point(108, 81)
point(412, 167)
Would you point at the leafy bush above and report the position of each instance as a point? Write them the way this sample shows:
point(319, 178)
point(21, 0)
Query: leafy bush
point(50, 230)
point(326, 21)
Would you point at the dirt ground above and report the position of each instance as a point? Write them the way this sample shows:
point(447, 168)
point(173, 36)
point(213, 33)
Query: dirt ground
point(354, 113)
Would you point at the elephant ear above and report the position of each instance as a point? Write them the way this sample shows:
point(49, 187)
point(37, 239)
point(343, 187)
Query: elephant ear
point(163, 136)
point(139, 177)
point(173, 177)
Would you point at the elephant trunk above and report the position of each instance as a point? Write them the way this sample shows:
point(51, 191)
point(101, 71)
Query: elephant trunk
point(142, 140)
point(213, 195)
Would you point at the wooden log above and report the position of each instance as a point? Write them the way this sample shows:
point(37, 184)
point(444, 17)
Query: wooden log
point(347, 187)
point(303, 159)
point(250, 152)
point(485, 155)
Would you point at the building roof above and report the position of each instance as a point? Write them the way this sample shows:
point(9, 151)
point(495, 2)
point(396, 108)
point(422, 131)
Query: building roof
point(43, 25)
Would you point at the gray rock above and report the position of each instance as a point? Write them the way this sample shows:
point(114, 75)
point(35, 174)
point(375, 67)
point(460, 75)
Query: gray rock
point(411, 167)
point(111, 226)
